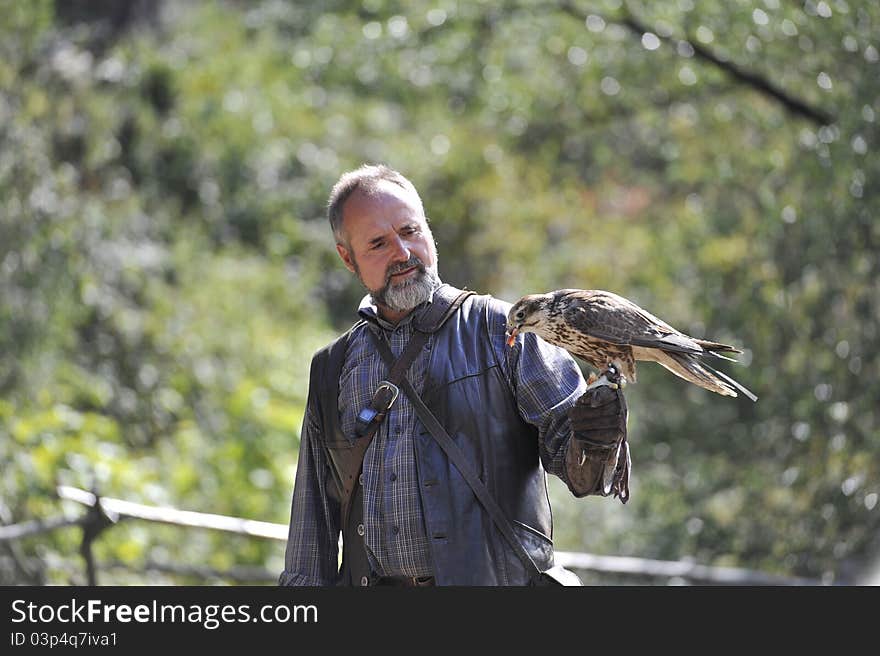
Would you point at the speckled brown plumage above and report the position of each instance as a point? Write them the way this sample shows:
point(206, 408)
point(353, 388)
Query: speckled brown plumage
point(603, 328)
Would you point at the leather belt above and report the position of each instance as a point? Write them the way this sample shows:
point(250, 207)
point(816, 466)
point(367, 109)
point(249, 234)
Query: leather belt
point(406, 581)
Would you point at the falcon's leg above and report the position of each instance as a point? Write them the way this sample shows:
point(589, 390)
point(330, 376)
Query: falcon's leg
point(611, 377)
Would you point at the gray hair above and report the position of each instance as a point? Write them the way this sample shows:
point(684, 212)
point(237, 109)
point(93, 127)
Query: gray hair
point(366, 179)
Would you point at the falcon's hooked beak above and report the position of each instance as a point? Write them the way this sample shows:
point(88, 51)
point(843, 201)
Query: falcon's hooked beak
point(511, 336)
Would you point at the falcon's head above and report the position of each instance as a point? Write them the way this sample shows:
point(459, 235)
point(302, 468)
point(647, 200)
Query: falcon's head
point(528, 315)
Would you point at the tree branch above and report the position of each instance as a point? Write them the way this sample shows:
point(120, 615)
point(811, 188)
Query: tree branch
point(757, 82)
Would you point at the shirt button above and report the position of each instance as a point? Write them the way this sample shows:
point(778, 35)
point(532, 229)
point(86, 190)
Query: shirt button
point(393, 476)
point(361, 530)
point(395, 530)
point(361, 479)
point(398, 430)
point(365, 580)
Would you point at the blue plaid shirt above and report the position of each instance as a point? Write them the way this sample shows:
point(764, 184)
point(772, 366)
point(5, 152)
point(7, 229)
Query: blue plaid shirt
point(395, 535)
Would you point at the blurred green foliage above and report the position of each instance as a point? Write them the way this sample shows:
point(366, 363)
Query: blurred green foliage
point(166, 270)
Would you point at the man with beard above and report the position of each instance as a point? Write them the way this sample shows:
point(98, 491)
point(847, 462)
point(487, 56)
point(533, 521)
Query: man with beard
point(407, 515)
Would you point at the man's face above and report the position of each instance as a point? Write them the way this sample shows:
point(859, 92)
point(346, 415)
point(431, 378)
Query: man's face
point(389, 246)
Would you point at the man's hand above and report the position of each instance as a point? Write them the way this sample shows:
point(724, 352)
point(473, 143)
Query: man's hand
point(597, 460)
point(598, 418)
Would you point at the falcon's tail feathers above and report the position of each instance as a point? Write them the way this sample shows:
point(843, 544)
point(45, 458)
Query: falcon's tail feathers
point(716, 346)
point(697, 372)
point(716, 354)
point(715, 349)
point(730, 380)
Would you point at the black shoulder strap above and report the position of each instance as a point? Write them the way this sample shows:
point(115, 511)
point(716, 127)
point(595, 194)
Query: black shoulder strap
point(446, 300)
point(324, 383)
point(327, 364)
point(459, 459)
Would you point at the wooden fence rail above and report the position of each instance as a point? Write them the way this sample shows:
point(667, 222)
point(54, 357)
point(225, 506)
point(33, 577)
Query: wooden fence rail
point(104, 512)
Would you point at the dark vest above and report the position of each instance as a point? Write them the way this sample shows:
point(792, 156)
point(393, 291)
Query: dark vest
point(468, 393)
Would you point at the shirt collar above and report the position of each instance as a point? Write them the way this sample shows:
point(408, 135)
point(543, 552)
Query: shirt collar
point(368, 310)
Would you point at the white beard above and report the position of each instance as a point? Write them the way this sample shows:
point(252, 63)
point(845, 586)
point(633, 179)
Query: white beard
point(406, 295)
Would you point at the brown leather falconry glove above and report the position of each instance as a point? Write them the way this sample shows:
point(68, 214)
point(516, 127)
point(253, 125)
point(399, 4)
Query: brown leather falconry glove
point(598, 418)
point(598, 461)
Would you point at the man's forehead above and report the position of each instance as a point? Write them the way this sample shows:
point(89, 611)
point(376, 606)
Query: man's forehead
point(387, 201)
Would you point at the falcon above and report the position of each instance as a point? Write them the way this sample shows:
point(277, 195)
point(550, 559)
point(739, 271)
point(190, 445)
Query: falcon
point(611, 332)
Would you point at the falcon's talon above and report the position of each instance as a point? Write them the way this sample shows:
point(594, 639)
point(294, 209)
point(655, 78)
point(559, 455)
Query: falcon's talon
point(583, 458)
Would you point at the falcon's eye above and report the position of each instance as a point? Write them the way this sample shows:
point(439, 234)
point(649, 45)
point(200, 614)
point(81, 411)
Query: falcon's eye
point(519, 316)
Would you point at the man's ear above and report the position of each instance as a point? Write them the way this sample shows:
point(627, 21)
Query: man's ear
point(346, 257)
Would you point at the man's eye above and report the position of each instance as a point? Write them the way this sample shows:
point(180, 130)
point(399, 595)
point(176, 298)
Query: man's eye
point(377, 246)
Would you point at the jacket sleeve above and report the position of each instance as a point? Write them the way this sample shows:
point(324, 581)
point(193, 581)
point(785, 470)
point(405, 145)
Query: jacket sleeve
point(313, 540)
point(546, 382)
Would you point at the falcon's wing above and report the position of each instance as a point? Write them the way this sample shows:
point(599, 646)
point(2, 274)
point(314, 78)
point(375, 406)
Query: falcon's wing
point(612, 318)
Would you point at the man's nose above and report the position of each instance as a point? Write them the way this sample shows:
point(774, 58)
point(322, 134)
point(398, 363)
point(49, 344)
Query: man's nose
point(400, 250)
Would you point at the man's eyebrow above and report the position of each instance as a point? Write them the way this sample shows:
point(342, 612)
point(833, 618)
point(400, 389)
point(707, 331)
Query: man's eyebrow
point(375, 240)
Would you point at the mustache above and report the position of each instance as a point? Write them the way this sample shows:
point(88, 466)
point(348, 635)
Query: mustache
point(413, 261)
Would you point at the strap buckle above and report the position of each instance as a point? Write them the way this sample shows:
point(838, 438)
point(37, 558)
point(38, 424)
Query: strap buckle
point(371, 416)
point(393, 389)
